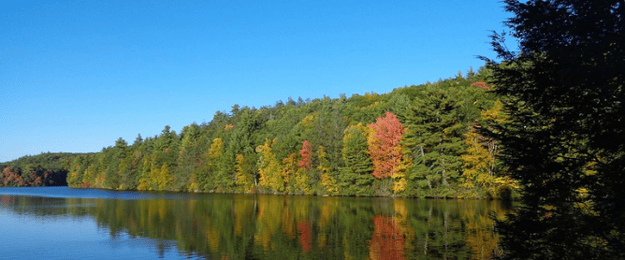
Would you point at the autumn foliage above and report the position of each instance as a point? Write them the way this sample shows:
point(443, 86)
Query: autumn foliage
point(405, 143)
point(306, 162)
point(384, 146)
point(305, 236)
point(387, 242)
point(480, 84)
point(29, 177)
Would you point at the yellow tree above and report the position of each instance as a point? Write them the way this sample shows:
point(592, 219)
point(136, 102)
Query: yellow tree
point(479, 165)
point(215, 152)
point(289, 170)
point(164, 178)
point(401, 170)
point(244, 179)
point(145, 180)
point(269, 167)
point(480, 158)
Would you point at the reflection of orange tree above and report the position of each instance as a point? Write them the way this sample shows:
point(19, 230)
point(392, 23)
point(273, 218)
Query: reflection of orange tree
point(305, 236)
point(387, 242)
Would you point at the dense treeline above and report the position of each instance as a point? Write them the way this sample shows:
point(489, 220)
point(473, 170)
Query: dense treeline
point(46, 169)
point(415, 141)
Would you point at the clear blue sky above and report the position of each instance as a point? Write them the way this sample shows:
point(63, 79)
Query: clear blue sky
point(77, 75)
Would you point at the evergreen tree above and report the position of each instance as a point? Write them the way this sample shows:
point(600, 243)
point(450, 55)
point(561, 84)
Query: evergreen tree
point(355, 177)
point(566, 141)
point(434, 140)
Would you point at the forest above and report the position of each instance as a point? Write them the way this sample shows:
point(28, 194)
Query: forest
point(543, 122)
point(417, 141)
point(45, 169)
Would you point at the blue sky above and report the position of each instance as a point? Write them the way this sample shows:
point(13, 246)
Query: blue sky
point(77, 75)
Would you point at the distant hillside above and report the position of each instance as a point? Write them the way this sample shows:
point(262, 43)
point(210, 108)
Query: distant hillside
point(46, 169)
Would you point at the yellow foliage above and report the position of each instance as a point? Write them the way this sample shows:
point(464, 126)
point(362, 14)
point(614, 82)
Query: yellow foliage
point(371, 96)
point(479, 169)
point(216, 148)
point(213, 237)
point(481, 237)
point(495, 114)
point(401, 170)
point(243, 179)
point(143, 184)
point(301, 181)
point(290, 167)
point(164, 178)
point(269, 167)
point(348, 131)
point(327, 181)
point(308, 120)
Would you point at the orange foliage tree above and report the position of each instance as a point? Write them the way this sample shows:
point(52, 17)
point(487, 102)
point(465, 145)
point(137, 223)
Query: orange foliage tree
point(384, 146)
point(305, 152)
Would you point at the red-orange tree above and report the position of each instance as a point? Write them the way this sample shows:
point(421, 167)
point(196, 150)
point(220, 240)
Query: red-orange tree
point(384, 146)
point(305, 152)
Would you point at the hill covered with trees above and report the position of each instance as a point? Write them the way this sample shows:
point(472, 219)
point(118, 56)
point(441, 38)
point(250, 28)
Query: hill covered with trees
point(46, 169)
point(417, 141)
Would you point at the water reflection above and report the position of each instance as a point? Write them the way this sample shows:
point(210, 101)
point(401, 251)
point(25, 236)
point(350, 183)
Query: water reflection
point(290, 227)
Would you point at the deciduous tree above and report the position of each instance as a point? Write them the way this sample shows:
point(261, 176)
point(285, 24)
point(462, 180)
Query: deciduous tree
point(383, 142)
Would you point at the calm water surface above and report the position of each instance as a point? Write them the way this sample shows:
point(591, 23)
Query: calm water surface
point(62, 223)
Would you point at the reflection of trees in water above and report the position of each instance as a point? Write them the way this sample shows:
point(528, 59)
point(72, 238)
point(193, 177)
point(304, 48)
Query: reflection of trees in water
point(288, 227)
point(387, 242)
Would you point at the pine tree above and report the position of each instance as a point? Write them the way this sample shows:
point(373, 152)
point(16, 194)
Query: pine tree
point(356, 178)
point(564, 92)
point(434, 141)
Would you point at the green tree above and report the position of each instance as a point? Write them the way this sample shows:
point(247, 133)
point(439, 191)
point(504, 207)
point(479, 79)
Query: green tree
point(114, 158)
point(566, 142)
point(434, 139)
point(355, 177)
point(188, 157)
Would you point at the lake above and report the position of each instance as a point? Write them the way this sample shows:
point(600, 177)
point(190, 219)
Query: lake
point(63, 223)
